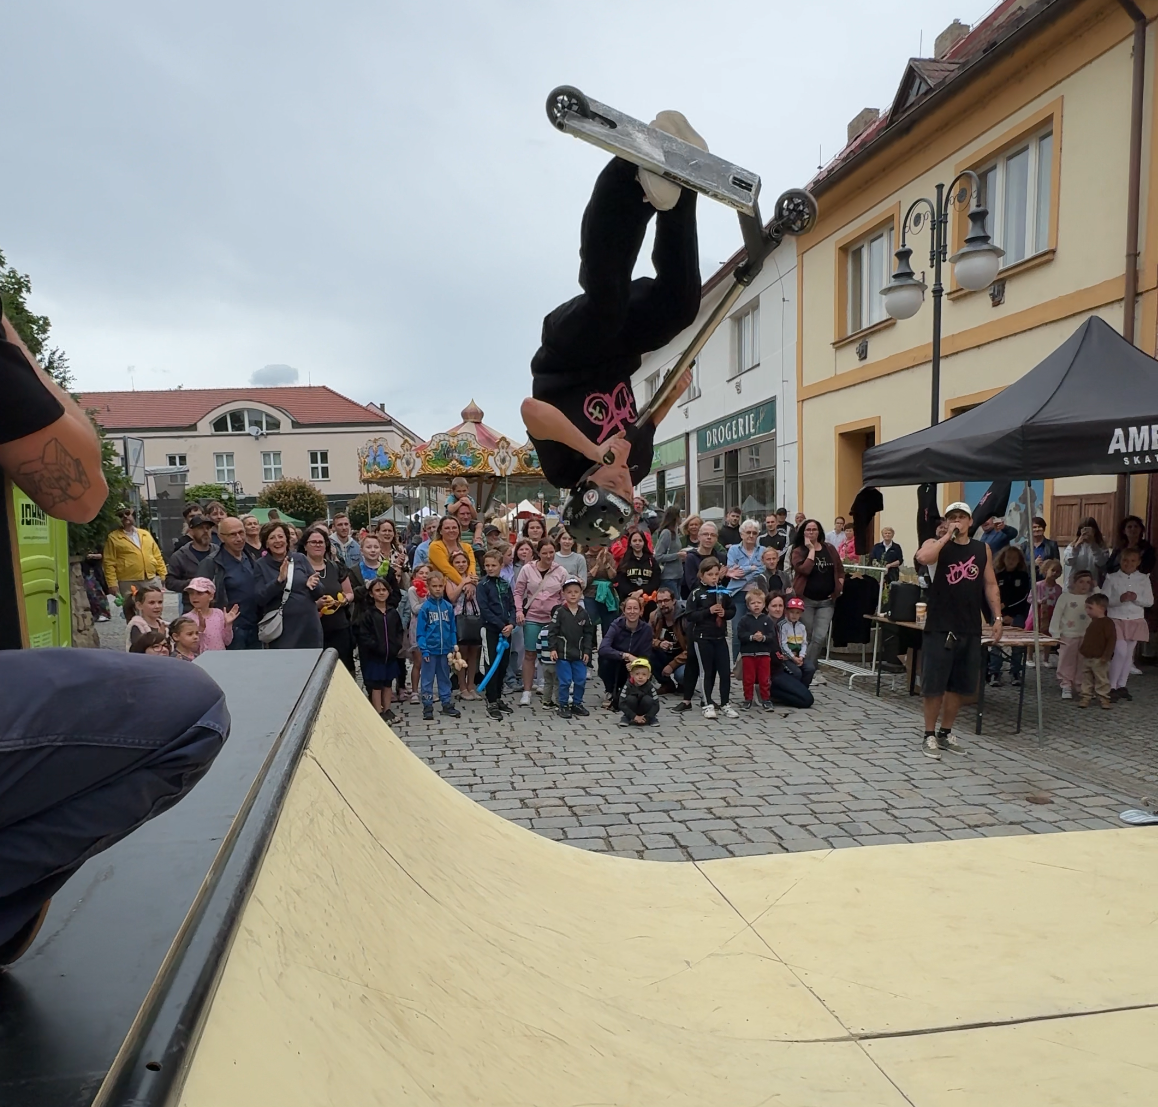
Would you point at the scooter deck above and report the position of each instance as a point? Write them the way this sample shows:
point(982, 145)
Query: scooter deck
point(664, 154)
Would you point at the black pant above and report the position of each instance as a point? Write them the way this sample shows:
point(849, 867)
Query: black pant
point(93, 745)
point(340, 638)
point(715, 661)
point(594, 342)
point(494, 688)
point(613, 673)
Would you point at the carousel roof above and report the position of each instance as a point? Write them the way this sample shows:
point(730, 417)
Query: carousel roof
point(472, 423)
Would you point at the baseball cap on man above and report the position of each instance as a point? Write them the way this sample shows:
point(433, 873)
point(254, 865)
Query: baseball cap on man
point(959, 506)
point(198, 521)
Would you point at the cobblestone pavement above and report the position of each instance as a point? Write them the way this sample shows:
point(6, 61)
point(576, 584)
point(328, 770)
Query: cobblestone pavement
point(848, 772)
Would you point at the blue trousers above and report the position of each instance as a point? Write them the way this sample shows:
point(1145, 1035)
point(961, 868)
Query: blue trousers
point(93, 744)
point(572, 677)
point(438, 665)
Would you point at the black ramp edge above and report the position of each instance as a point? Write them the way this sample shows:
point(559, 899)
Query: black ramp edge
point(150, 1068)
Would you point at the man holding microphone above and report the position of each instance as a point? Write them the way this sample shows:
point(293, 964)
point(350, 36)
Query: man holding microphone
point(962, 580)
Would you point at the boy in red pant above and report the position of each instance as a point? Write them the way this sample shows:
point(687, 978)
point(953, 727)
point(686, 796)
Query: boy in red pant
point(757, 635)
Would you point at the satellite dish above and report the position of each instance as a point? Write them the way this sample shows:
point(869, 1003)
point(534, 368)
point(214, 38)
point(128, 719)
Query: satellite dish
point(256, 431)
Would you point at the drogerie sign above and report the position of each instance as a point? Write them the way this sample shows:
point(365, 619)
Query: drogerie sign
point(741, 427)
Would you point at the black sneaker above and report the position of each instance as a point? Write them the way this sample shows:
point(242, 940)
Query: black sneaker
point(623, 723)
point(451, 710)
point(1124, 694)
point(506, 708)
point(653, 722)
point(683, 705)
point(947, 740)
point(580, 710)
point(564, 711)
point(1115, 695)
point(428, 711)
point(494, 711)
point(389, 716)
point(748, 705)
point(768, 705)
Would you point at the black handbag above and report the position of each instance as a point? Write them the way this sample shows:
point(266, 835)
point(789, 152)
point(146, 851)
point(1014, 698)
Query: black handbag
point(468, 625)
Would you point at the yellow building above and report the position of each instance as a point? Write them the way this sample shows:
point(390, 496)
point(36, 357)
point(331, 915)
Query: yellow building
point(1038, 100)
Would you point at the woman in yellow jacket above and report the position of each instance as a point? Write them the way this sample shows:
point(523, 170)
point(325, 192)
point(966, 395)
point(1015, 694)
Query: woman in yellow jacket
point(131, 555)
point(439, 554)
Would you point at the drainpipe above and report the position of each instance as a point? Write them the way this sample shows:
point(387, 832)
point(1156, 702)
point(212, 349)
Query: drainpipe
point(1129, 303)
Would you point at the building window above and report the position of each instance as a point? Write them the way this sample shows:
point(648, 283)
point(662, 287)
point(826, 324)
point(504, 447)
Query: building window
point(319, 464)
point(651, 386)
point(1016, 189)
point(177, 460)
point(693, 392)
point(243, 419)
point(223, 468)
point(271, 465)
point(746, 332)
point(868, 273)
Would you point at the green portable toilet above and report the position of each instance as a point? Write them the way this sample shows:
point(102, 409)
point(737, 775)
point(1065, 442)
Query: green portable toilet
point(42, 552)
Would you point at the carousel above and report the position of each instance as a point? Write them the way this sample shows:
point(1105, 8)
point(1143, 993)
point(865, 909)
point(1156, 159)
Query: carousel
point(491, 463)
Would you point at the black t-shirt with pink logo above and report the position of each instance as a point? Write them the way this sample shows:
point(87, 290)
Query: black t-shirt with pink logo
point(957, 594)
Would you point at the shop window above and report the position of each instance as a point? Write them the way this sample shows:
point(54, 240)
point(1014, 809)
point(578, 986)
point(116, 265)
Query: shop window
point(1016, 188)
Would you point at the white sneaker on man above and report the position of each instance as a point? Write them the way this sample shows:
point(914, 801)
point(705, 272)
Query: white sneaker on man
point(525, 700)
point(662, 193)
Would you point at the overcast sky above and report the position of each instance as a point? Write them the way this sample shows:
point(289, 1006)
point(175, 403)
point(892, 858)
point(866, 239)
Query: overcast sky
point(371, 193)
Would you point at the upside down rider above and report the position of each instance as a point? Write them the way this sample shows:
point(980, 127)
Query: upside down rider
point(582, 405)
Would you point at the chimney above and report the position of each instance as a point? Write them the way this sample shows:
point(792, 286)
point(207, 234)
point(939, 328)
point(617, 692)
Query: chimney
point(949, 38)
point(866, 117)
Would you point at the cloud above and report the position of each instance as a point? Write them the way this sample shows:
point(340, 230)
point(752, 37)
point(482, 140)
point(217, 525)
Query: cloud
point(269, 375)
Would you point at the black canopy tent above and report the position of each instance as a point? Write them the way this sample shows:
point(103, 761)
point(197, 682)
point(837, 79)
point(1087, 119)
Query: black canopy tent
point(1090, 407)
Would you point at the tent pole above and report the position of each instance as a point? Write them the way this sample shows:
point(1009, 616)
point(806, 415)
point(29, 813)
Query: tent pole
point(1033, 608)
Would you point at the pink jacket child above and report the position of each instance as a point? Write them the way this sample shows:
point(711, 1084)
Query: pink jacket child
point(216, 625)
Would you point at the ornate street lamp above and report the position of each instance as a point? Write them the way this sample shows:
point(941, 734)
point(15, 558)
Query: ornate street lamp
point(975, 265)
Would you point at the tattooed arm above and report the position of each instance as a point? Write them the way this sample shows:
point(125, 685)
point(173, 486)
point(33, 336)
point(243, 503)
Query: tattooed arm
point(58, 465)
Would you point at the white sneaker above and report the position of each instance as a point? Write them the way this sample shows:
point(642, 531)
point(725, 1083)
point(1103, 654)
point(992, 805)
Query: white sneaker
point(1067, 693)
point(729, 711)
point(1134, 670)
point(525, 700)
point(709, 711)
point(662, 193)
point(818, 678)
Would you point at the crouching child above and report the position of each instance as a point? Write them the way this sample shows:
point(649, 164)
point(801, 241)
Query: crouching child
point(639, 700)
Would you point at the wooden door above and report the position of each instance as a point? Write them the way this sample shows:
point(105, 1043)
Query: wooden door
point(1067, 511)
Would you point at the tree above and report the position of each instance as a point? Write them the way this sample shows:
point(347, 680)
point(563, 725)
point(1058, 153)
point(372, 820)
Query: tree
point(203, 493)
point(363, 508)
point(33, 330)
point(295, 497)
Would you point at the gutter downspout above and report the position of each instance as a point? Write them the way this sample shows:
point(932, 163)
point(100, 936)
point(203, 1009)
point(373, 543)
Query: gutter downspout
point(1129, 302)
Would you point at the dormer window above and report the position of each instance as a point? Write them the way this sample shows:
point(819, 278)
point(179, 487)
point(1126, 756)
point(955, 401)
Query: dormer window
point(235, 422)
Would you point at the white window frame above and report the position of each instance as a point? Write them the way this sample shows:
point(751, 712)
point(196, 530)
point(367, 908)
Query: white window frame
point(319, 464)
point(271, 470)
point(224, 468)
point(745, 339)
point(865, 304)
point(693, 392)
point(249, 417)
point(651, 386)
point(995, 180)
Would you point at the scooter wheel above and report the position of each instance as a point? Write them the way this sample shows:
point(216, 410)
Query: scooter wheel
point(565, 99)
point(795, 211)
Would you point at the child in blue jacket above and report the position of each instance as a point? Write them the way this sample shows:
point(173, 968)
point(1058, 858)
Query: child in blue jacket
point(436, 637)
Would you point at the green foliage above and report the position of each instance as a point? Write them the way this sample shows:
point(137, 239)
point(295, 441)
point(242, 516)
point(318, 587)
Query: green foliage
point(296, 497)
point(33, 330)
point(377, 502)
point(203, 493)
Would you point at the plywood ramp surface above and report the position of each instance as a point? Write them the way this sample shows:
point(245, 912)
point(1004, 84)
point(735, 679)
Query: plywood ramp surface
point(404, 945)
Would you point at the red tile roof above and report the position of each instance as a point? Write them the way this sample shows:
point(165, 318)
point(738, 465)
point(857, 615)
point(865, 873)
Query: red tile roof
point(306, 405)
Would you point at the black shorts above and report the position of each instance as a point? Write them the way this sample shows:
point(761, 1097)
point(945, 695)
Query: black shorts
point(950, 664)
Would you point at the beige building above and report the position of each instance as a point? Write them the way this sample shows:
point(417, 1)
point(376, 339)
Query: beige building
point(1037, 100)
point(248, 437)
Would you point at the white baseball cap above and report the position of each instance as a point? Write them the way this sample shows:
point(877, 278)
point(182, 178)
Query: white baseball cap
point(959, 506)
